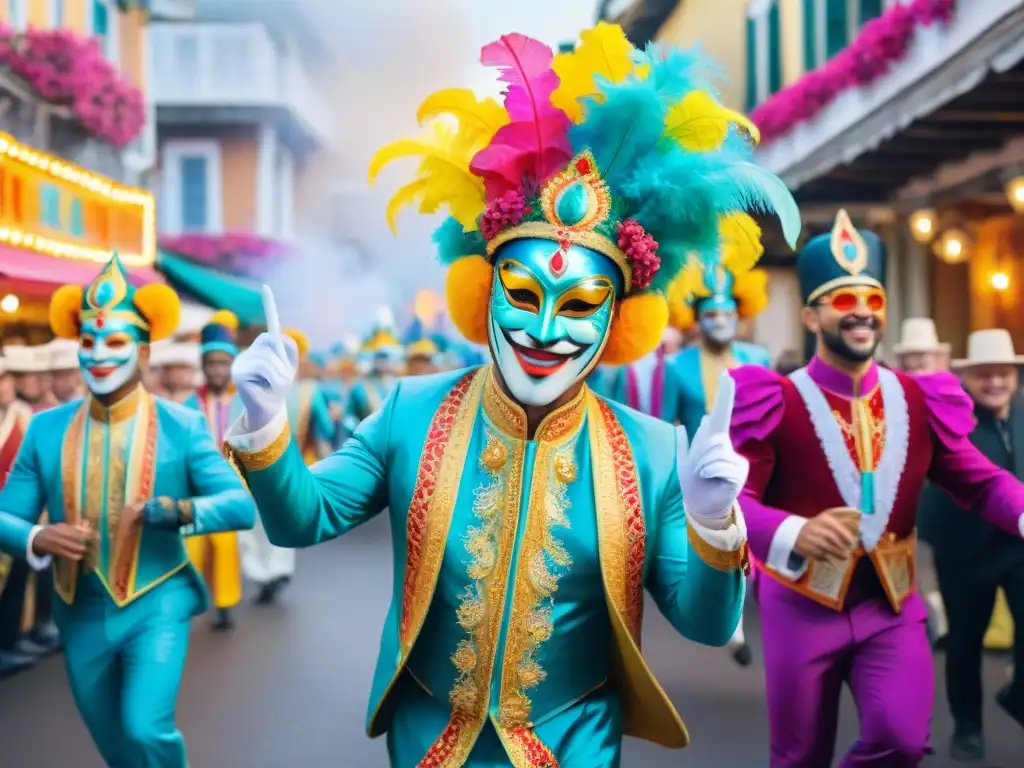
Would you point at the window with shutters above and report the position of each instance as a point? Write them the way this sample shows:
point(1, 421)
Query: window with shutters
point(829, 26)
point(192, 191)
point(764, 51)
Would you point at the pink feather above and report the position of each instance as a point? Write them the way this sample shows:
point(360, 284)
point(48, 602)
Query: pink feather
point(534, 146)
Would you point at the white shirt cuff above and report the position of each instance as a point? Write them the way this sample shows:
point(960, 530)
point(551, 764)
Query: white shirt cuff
point(726, 534)
point(781, 557)
point(36, 562)
point(242, 440)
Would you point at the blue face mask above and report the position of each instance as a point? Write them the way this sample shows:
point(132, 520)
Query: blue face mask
point(108, 354)
point(549, 318)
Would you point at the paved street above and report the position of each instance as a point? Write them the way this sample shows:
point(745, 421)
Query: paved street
point(288, 689)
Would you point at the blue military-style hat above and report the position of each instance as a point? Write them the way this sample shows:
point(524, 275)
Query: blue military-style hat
point(842, 257)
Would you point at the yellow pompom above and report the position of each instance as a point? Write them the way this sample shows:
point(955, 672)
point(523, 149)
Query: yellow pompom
point(224, 318)
point(301, 340)
point(639, 324)
point(467, 291)
point(161, 307)
point(65, 306)
point(680, 310)
point(750, 290)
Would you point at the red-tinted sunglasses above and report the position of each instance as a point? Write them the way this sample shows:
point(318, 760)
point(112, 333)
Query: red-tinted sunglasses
point(848, 299)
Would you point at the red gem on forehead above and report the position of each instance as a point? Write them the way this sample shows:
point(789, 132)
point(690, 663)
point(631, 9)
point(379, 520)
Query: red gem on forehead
point(99, 321)
point(558, 263)
point(583, 166)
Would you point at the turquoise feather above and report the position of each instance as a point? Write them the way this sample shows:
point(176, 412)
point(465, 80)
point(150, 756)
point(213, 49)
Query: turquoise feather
point(453, 242)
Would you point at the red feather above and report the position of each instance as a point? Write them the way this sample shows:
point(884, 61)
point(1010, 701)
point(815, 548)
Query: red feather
point(534, 146)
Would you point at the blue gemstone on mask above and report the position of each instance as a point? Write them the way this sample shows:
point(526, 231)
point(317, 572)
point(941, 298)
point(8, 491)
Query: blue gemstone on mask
point(573, 203)
point(850, 251)
point(104, 292)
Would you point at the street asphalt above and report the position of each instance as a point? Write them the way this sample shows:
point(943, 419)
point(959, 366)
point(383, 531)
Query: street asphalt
point(288, 688)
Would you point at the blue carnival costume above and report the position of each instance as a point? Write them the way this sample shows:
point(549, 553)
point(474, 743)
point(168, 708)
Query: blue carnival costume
point(124, 610)
point(309, 411)
point(522, 550)
point(217, 555)
point(715, 292)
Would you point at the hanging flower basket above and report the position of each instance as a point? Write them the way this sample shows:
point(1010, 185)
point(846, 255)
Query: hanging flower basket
point(881, 44)
point(70, 71)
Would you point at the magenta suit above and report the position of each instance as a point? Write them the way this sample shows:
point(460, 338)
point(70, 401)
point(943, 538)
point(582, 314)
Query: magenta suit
point(863, 624)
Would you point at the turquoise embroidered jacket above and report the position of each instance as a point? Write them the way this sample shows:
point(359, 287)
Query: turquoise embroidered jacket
point(519, 565)
point(364, 399)
point(81, 461)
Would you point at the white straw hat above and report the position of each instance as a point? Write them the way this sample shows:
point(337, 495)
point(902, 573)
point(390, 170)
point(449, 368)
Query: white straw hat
point(24, 359)
point(917, 334)
point(993, 346)
point(63, 355)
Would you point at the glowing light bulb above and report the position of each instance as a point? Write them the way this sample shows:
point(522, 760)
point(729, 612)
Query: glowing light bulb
point(923, 224)
point(9, 303)
point(1000, 281)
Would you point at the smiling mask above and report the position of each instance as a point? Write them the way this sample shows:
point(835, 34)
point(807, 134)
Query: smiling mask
point(111, 320)
point(573, 205)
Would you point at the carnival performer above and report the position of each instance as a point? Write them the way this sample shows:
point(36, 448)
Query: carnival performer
point(838, 455)
point(216, 554)
point(421, 352)
point(383, 353)
point(528, 513)
point(649, 385)
point(309, 412)
point(713, 295)
point(126, 591)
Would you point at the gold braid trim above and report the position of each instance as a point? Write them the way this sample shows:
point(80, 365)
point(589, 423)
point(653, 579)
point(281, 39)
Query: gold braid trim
point(718, 559)
point(254, 461)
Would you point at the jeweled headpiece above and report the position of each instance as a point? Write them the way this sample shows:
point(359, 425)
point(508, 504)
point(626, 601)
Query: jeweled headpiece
point(154, 310)
point(624, 152)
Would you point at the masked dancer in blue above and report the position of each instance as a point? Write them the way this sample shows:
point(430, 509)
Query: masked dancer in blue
point(715, 293)
point(124, 476)
point(530, 514)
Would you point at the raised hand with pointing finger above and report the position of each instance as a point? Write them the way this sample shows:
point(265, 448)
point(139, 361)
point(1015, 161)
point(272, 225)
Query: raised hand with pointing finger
point(711, 473)
point(264, 373)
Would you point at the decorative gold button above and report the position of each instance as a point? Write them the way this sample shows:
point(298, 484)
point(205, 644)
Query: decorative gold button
point(565, 468)
point(494, 456)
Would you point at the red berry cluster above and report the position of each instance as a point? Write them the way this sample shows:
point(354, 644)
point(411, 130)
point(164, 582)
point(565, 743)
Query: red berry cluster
point(505, 211)
point(641, 250)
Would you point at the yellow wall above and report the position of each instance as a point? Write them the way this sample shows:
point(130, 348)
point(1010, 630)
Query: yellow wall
point(132, 32)
point(239, 161)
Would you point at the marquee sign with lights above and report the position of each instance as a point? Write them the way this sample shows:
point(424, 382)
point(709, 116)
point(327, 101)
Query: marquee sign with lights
point(53, 207)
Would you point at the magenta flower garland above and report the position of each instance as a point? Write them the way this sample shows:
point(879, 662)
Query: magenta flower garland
point(881, 43)
point(70, 71)
point(231, 251)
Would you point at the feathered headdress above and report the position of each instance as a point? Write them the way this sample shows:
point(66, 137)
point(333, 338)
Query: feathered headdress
point(725, 279)
point(383, 335)
point(624, 152)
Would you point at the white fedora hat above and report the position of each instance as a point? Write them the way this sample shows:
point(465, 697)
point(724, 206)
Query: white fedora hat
point(989, 347)
point(63, 355)
point(917, 334)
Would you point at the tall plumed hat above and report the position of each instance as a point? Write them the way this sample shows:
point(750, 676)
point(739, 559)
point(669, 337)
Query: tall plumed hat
point(845, 256)
point(154, 310)
point(624, 152)
point(383, 337)
point(220, 334)
point(724, 280)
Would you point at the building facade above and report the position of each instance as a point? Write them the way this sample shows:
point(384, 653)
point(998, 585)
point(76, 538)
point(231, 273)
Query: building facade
point(69, 148)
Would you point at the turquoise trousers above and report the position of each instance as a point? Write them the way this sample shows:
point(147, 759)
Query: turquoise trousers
point(125, 665)
point(587, 734)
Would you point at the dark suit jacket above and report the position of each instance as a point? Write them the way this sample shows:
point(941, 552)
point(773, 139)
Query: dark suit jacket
point(953, 532)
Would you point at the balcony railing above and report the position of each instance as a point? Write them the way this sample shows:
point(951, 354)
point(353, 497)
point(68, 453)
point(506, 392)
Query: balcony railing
point(228, 65)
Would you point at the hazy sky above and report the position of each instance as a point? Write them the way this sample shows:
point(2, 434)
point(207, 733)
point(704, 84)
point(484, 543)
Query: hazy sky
point(391, 54)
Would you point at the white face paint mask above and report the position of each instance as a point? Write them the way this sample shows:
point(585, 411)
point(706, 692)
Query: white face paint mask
point(719, 326)
point(108, 354)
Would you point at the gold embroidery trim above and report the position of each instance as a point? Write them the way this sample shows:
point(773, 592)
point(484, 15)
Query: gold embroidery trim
point(254, 461)
point(510, 418)
point(123, 409)
point(543, 560)
point(719, 559)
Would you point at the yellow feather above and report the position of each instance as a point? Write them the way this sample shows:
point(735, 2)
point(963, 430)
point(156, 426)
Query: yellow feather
point(603, 51)
point(740, 238)
point(444, 175)
point(478, 119)
point(698, 123)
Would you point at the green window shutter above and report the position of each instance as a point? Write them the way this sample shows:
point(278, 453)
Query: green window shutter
point(837, 35)
point(870, 9)
point(751, 63)
point(810, 36)
point(774, 50)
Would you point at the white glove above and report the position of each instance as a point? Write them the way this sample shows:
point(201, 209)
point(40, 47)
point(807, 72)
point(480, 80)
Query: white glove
point(264, 373)
point(711, 473)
